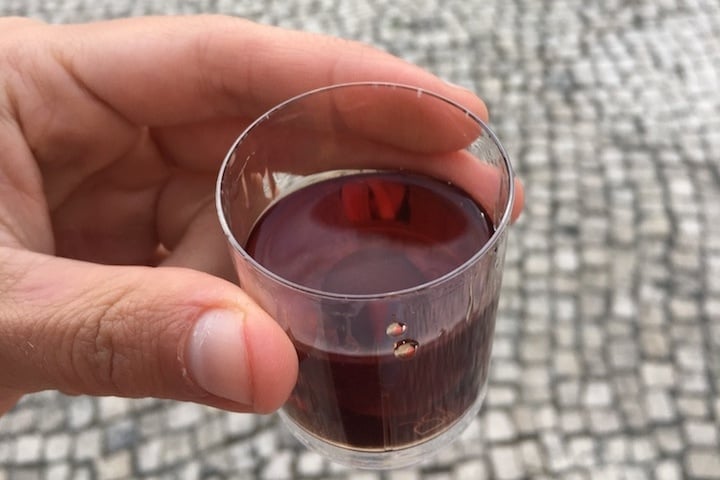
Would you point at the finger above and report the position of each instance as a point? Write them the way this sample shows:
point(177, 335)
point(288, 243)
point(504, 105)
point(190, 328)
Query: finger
point(296, 151)
point(395, 116)
point(138, 331)
point(203, 246)
point(168, 71)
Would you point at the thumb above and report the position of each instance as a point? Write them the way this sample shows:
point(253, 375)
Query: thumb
point(84, 328)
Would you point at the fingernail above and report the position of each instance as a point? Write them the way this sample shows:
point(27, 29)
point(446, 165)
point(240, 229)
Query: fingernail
point(217, 356)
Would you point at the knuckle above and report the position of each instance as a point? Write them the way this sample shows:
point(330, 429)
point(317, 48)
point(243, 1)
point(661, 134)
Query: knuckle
point(100, 351)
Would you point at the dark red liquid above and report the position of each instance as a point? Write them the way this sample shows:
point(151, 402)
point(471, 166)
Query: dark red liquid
point(385, 374)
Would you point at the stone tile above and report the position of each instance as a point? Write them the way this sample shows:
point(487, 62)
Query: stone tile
point(499, 426)
point(120, 435)
point(51, 419)
point(310, 463)
point(88, 444)
point(209, 433)
point(643, 449)
point(279, 467)
point(703, 464)
point(694, 383)
point(115, 466)
point(28, 449)
point(501, 396)
point(177, 448)
point(475, 469)
point(240, 424)
point(572, 421)
point(566, 363)
point(57, 447)
point(701, 433)
point(83, 472)
point(668, 470)
point(150, 455)
point(582, 450)
point(669, 439)
point(658, 374)
point(264, 443)
point(18, 421)
point(405, 474)
point(184, 415)
point(690, 357)
point(603, 422)
point(660, 406)
point(655, 344)
point(524, 419)
point(597, 394)
point(7, 447)
point(240, 456)
point(556, 453)
point(57, 471)
point(151, 424)
point(111, 407)
point(615, 450)
point(506, 463)
point(568, 393)
point(623, 354)
point(81, 412)
point(532, 457)
point(190, 471)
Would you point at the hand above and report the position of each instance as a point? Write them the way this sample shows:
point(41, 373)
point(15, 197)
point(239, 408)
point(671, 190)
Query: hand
point(112, 134)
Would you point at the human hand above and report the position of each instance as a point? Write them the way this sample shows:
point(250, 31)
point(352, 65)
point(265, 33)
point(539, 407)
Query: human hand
point(112, 135)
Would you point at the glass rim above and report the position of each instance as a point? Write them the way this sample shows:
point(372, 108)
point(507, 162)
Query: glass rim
point(502, 225)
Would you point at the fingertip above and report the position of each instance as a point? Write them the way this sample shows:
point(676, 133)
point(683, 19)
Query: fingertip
point(469, 100)
point(273, 362)
point(519, 201)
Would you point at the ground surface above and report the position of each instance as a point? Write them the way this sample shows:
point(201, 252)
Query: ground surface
point(607, 357)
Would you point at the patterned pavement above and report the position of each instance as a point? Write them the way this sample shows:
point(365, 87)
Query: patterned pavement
point(606, 362)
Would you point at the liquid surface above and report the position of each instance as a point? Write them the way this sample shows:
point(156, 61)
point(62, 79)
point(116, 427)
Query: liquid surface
point(369, 233)
point(395, 375)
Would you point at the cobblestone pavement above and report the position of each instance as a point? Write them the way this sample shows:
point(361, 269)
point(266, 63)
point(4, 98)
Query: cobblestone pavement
point(607, 355)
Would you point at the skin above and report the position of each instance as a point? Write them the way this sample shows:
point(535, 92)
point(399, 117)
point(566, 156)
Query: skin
point(110, 250)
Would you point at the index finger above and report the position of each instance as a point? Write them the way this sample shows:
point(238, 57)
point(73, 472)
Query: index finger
point(166, 71)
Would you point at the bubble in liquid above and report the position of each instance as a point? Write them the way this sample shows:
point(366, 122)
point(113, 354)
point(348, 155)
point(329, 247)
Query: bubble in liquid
point(395, 329)
point(406, 349)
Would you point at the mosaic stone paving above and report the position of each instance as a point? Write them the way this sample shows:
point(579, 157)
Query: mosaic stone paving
point(607, 356)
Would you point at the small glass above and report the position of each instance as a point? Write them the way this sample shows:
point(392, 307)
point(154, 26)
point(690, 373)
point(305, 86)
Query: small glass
point(391, 397)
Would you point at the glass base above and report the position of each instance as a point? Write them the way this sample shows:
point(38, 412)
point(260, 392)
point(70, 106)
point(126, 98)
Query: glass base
point(390, 459)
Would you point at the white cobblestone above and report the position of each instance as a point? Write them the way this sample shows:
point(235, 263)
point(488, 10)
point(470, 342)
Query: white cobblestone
point(668, 470)
point(702, 433)
point(87, 445)
point(116, 466)
point(58, 471)
point(505, 462)
point(279, 467)
point(660, 407)
point(111, 407)
point(57, 447)
point(703, 464)
point(310, 463)
point(597, 394)
point(499, 426)
point(474, 469)
point(183, 415)
point(661, 375)
point(28, 449)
